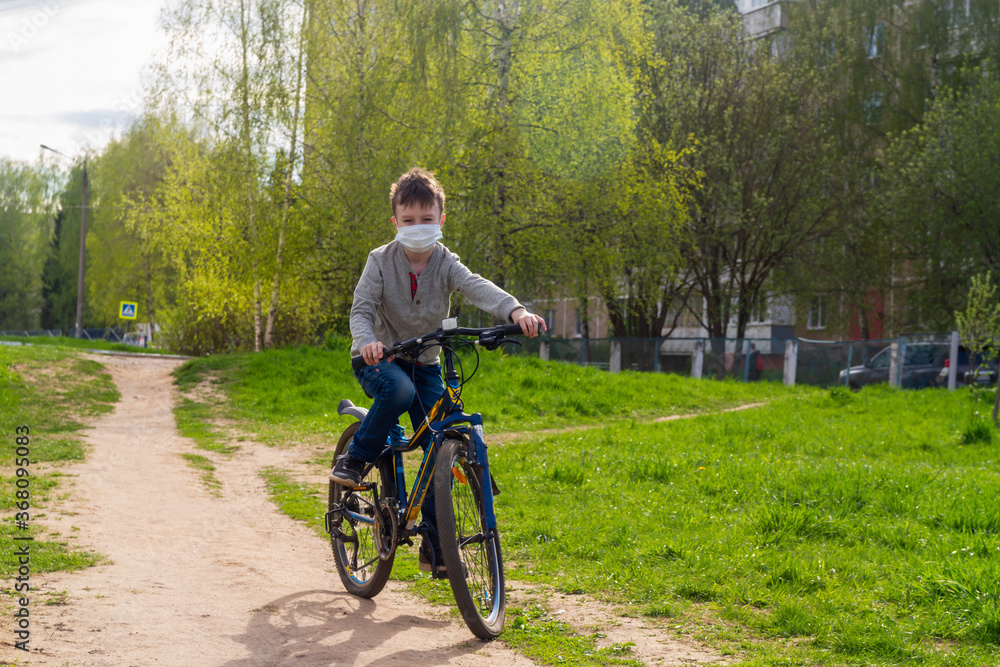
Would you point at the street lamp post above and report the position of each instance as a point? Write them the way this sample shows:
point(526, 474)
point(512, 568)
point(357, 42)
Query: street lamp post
point(83, 241)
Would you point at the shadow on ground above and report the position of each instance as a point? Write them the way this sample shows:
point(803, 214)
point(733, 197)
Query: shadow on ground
point(322, 627)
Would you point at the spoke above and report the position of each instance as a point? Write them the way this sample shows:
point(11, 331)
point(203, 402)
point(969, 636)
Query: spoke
point(472, 539)
point(365, 565)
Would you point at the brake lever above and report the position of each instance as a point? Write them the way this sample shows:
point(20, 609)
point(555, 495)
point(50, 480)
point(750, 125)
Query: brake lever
point(493, 343)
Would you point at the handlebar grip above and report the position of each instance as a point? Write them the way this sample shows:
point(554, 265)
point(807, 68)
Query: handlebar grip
point(357, 363)
point(511, 329)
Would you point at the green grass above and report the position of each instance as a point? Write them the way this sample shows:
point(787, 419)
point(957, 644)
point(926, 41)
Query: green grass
point(80, 343)
point(293, 393)
point(207, 468)
point(194, 422)
point(548, 641)
point(49, 390)
point(304, 502)
point(48, 554)
point(858, 525)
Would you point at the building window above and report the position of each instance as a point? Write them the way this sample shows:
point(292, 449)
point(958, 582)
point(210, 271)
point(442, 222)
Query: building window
point(875, 41)
point(817, 313)
point(759, 314)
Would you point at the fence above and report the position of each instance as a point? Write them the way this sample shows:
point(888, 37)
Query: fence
point(907, 361)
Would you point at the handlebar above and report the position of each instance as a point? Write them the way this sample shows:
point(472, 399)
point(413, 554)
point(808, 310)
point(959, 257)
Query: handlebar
point(489, 338)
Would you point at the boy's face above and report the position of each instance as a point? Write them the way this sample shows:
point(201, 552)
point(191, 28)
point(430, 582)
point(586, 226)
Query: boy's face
point(417, 214)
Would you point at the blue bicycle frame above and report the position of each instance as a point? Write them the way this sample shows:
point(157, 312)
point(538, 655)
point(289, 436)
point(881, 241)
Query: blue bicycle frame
point(446, 418)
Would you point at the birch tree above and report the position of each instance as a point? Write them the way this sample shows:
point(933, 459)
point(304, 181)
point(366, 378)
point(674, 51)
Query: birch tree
point(235, 70)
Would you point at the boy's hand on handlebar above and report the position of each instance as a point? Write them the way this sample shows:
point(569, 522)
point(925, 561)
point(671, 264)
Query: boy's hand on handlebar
point(373, 353)
point(531, 325)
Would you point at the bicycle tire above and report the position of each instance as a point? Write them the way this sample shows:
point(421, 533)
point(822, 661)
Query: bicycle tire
point(361, 571)
point(471, 554)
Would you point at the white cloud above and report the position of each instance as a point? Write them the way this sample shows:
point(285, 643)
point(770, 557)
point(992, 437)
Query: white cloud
point(70, 71)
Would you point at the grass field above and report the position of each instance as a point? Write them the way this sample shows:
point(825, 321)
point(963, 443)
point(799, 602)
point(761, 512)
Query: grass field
point(822, 528)
point(828, 529)
point(296, 391)
point(49, 390)
point(79, 343)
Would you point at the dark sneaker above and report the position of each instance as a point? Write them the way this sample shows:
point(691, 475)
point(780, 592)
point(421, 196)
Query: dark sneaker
point(428, 559)
point(425, 560)
point(348, 471)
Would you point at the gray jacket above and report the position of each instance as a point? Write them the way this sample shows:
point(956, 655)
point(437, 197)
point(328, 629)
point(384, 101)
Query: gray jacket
point(383, 310)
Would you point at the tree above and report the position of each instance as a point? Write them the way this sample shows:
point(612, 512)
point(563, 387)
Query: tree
point(124, 265)
point(620, 197)
point(520, 107)
point(60, 273)
point(753, 125)
point(944, 176)
point(361, 115)
point(58, 298)
point(26, 208)
point(883, 63)
point(979, 325)
point(235, 72)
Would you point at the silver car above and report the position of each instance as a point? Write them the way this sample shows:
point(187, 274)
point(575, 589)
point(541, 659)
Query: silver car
point(984, 373)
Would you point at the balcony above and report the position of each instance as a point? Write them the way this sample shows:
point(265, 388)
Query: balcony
point(765, 21)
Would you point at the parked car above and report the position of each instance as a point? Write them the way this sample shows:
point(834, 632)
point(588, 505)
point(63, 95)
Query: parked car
point(922, 366)
point(965, 373)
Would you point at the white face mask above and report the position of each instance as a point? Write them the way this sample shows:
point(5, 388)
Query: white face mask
point(419, 238)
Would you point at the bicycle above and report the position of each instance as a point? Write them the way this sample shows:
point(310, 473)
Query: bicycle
point(366, 525)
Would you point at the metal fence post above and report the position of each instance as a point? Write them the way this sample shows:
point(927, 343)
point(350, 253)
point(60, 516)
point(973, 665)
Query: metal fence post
point(698, 362)
point(746, 362)
point(791, 360)
point(543, 350)
point(847, 372)
point(656, 355)
point(894, 364)
point(615, 362)
point(953, 362)
point(902, 361)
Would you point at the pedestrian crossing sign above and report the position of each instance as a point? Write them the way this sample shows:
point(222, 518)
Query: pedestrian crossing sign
point(127, 310)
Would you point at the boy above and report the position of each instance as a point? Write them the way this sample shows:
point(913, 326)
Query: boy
point(405, 291)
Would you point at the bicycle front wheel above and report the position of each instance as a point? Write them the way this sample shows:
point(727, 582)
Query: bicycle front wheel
point(471, 552)
point(353, 536)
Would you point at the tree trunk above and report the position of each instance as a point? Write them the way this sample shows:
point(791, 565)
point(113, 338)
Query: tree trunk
point(248, 148)
point(149, 294)
point(286, 204)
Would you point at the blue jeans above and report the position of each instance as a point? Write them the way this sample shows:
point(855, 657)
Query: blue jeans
point(395, 393)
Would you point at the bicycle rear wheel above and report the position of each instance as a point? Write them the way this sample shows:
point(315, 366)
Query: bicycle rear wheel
point(353, 535)
point(471, 552)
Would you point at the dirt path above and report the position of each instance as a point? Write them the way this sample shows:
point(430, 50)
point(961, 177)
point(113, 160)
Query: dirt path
point(522, 435)
point(200, 580)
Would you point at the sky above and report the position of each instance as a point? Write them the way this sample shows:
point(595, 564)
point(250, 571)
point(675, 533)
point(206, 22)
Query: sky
point(70, 71)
